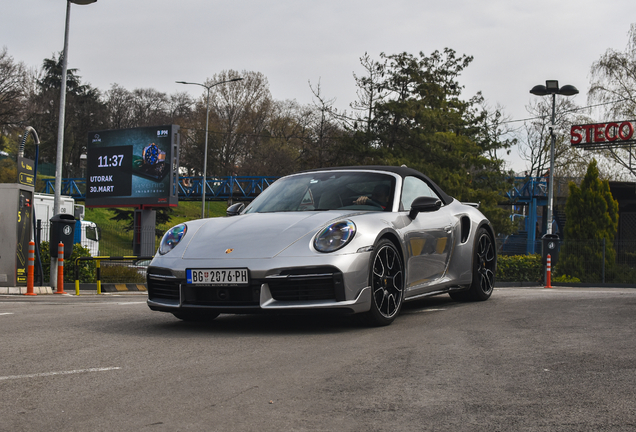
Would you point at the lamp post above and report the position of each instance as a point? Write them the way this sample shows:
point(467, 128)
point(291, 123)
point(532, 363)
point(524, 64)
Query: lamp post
point(60, 126)
point(551, 87)
point(60, 129)
point(207, 116)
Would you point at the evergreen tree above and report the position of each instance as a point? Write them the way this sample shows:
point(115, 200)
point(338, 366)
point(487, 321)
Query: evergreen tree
point(417, 117)
point(84, 112)
point(592, 217)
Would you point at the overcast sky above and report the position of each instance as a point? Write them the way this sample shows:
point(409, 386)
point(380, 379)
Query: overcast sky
point(153, 43)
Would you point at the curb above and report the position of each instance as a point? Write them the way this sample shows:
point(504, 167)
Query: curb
point(107, 287)
point(70, 288)
point(23, 290)
point(517, 284)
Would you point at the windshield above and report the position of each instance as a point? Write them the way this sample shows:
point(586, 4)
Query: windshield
point(328, 190)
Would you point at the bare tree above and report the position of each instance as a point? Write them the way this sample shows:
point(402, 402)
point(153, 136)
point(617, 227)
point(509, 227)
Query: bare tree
point(13, 83)
point(613, 80)
point(369, 93)
point(535, 146)
point(613, 84)
point(180, 106)
point(150, 107)
point(238, 114)
point(119, 103)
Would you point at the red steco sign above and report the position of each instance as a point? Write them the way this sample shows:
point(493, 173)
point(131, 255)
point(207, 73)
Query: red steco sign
point(600, 134)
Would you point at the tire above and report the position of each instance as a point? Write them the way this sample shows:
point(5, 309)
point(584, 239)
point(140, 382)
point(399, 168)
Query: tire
point(195, 316)
point(484, 269)
point(386, 278)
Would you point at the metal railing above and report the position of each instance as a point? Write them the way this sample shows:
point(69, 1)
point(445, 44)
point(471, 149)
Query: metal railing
point(98, 260)
point(244, 188)
point(584, 261)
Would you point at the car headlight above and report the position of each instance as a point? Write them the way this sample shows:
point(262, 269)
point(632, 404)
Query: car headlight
point(334, 236)
point(172, 238)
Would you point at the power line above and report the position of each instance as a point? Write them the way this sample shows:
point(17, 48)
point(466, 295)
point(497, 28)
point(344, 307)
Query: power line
point(566, 111)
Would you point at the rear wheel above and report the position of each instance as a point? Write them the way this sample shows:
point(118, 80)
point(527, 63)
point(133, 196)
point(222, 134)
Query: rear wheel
point(484, 267)
point(195, 316)
point(386, 278)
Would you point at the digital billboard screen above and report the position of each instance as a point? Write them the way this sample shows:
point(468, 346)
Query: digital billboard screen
point(133, 167)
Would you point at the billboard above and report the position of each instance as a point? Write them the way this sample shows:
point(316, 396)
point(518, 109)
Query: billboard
point(133, 167)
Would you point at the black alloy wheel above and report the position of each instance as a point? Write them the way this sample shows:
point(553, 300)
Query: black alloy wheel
point(387, 284)
point(484, 268)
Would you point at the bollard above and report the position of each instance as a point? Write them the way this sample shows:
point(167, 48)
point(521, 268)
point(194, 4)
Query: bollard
point(60, 269)
point(548, 272)
point(98, 272)
point(30, 268)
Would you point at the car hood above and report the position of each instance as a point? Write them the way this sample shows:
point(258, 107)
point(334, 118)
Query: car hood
point(255, 235)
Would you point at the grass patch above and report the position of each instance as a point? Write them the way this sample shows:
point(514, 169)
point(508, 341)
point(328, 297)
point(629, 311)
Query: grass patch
point(117, 241)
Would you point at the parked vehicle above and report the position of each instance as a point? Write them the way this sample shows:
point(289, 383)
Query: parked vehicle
point(87, 233)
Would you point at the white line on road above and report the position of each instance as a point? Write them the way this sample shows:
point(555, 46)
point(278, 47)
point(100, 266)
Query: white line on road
point(6, 313)
point(424, 310)
point(46, 374)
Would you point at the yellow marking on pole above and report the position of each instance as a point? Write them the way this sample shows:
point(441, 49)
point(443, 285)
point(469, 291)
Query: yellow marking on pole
point(76, 287)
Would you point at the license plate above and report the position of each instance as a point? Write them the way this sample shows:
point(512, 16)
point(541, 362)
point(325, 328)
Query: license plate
point(235, 276)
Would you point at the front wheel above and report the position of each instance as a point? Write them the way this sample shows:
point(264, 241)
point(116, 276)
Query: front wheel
point(386, 278)
point(484, 268)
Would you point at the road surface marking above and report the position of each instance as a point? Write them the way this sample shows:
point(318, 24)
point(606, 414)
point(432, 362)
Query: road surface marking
point(47, 374)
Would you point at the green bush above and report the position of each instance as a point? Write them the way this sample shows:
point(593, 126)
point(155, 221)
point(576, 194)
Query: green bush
point(623, 273)
point(566, 279)
point(120, 274)
point(86, 268)
point(519, 268)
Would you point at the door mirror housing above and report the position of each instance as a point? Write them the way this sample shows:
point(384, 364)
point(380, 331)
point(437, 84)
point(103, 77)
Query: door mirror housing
point(424, 204)
point(235, 209)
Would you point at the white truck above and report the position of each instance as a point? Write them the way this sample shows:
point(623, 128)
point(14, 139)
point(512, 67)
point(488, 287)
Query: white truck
point(87, 233)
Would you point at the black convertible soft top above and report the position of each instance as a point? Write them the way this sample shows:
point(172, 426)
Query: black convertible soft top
point(402, 171)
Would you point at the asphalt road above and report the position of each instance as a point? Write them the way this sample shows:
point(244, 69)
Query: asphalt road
point(529, 359)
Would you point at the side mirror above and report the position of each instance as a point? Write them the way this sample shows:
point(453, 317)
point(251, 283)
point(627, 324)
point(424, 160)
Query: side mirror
point(424, 204)
point(235, 209)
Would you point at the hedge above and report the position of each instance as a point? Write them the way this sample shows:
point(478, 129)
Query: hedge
point(519, 268)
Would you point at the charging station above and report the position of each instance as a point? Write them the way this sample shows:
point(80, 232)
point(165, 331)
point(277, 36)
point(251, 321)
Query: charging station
point(15, 232)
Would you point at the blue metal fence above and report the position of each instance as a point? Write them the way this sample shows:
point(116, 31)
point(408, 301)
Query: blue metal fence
point(242, 188)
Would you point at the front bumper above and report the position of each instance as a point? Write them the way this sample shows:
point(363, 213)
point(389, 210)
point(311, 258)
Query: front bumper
point(291, 289)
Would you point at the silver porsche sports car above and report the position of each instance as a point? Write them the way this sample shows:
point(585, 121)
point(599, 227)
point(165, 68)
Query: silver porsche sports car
point(354, 240)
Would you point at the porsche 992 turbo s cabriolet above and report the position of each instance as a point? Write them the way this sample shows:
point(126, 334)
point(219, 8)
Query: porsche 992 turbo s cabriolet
point(355, 240)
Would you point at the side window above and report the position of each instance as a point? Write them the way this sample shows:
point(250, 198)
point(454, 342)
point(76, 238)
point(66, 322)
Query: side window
point(92, 233)
point(412, 188)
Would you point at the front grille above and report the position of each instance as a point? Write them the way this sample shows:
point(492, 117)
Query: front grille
point(163, 289)
point(314, 284)
point(222, 296)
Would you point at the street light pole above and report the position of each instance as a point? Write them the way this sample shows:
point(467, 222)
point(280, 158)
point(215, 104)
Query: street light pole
point(60, 129)
point(551, 173)
point(205, 146)
point(551, 87)
point(60, 125)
